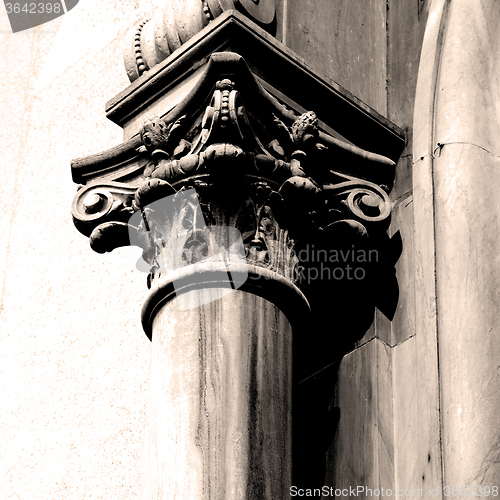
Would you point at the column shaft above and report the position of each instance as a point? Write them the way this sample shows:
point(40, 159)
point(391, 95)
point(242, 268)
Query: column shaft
point(219, 422)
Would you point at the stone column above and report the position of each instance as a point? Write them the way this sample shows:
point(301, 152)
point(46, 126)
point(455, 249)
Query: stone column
point(257, 227)
point(220, 317)
point(219, 422)
point(457, 174)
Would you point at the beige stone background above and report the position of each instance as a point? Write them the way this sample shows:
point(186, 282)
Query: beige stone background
point(74, 362)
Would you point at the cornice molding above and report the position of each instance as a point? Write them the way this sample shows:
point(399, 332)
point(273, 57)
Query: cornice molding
point(275, 64)
point(121, 162)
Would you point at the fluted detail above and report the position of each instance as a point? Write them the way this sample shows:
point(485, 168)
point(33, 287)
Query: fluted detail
point(177, 21)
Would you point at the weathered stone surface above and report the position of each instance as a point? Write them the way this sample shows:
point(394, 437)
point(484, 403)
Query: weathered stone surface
point(403, 322)
point(428, 390)
point(468, 322)
point(456, 169)
point(364, 396)
point(407, 420)
point(318, 29)
point(219, 422)
point(406, 23)
point(386, 413)
point(369, 335)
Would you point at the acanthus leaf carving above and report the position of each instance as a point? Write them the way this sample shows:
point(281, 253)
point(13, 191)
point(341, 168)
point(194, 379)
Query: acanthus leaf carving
point(276, 173)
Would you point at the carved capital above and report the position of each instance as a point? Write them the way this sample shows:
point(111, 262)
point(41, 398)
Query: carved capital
point(309, 208)
point(244, 161)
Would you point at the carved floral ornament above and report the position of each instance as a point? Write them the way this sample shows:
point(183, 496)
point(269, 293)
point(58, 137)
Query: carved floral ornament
point(274, 176)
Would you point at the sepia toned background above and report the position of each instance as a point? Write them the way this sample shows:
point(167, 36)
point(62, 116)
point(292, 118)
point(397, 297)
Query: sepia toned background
point(75, 362)
point(418, 395)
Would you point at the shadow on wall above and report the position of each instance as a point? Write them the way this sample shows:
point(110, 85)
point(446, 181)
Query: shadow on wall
point(343, 310)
